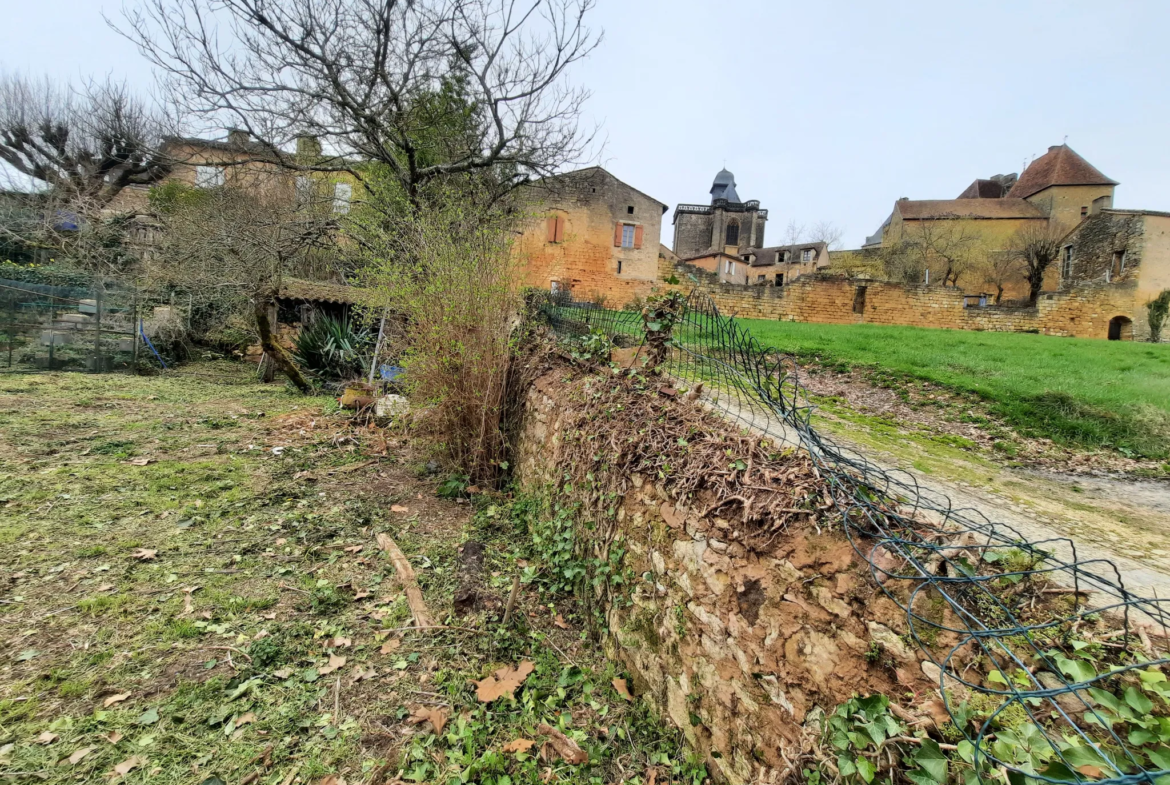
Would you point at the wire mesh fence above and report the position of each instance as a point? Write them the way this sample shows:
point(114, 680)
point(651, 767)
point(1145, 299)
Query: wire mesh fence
point(45, 327)
point(1080, 710)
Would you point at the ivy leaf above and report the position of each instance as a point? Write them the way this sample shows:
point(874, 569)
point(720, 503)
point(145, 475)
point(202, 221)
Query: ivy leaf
point(1140, 703)
point(932, 760)
point(866, 769)
point(149, 717)
point(995, 677)
point(1078, 670)
point(845, 766)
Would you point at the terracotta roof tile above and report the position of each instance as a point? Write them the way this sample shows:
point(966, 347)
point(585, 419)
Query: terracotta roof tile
point(1059, 166)
point(320, 291)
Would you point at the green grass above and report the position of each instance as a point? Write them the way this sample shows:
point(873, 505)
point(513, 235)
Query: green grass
point(1077, 392)
point(274, 563)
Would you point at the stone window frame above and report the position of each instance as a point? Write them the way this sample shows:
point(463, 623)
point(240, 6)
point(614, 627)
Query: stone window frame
point(1066, 262)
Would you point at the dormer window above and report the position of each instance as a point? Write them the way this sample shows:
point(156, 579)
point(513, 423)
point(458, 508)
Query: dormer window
point(806, 255)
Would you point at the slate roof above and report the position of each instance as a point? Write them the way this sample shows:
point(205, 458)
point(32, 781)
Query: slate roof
point(1007, 207)
point(983, 189)
point(1061, 165)
point(724, 187)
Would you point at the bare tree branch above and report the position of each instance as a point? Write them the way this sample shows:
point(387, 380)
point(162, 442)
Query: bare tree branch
point(362, 76)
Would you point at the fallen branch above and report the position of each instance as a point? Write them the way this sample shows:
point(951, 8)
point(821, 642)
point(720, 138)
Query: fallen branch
point(414, 598)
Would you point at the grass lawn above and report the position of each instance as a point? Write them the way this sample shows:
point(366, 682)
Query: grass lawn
point(1077, 392)
point(190, 592)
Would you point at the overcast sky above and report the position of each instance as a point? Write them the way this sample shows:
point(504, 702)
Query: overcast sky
point(823, 110)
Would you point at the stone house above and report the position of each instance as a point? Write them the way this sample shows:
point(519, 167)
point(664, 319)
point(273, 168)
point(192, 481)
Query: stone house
point(589, 233)
point(772, 266)
point(1124, 250)
point(241, 162)
point(1060, 188)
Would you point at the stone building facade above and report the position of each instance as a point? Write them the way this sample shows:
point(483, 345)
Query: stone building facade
point(1059, 189)
point(726, 225)
point(1128, 250)
point(592, 234)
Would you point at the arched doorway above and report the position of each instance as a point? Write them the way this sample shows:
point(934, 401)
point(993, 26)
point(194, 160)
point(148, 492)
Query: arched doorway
point(1121, 328)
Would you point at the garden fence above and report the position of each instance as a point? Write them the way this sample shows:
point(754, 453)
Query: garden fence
point(1077, 729)
point(86, 328)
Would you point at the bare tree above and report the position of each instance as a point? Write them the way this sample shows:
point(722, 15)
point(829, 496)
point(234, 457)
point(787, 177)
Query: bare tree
point(85, 146)
point(72, 153)
point(382, 80)
point(828, 233)
point(951, 245)
point(793, 233)
point(997, 268)
point(234, 245)
point(1037, 246)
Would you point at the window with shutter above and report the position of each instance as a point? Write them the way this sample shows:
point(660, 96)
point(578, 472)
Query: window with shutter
point(638, 237)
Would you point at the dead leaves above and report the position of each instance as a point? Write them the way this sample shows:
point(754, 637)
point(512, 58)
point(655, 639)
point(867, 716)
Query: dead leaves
point(140, 461)
point(503, 682)
point(113, 737)
point(338, 643)
point(127, 766)
point(390, 645)
point(364, 675)
point(76, 757)
point(48, 737)
point(335, 662)
point(622, 688)
point(437, 717)
point(110, 701)
point(144, 554)
point(518, 745)
point(561, 745)
point(399, 508)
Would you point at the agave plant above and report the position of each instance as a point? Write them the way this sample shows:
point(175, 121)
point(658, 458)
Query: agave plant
point(334, 348)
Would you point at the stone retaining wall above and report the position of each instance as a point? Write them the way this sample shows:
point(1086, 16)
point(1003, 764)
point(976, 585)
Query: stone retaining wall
point(1083, 311)
point(739, 647)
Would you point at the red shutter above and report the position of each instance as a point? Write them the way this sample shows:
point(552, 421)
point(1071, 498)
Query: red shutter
point(638, 236)
point(552, 229)
point(617, 235)
point(560, 229)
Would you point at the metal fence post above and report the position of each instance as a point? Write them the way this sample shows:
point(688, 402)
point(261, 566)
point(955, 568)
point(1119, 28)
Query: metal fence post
point(97, 330)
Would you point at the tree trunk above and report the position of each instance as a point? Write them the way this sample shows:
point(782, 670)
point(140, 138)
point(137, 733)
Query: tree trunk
point(276, 353)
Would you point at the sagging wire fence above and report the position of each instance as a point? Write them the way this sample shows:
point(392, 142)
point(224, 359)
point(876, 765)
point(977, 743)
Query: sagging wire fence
point(1059, 705)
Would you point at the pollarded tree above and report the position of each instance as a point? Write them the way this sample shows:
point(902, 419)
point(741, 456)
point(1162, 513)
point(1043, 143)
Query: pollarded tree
point(370, 79)
point(74, 152)
point(1037, 246)
point(85, 146)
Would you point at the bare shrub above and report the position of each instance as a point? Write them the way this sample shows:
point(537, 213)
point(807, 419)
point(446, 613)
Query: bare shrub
point(1157, 310)
point(448, 270)
point(232, 248)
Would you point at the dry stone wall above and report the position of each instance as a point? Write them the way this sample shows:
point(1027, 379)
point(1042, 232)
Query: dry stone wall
point(1083, 311)
point(740, 646)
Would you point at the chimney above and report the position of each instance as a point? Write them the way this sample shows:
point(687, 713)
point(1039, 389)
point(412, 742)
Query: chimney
point(1053, 148)
point(308, 147)
point(237, 137)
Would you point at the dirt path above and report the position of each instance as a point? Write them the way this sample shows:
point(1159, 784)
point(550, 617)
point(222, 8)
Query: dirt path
point(1124, 521)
